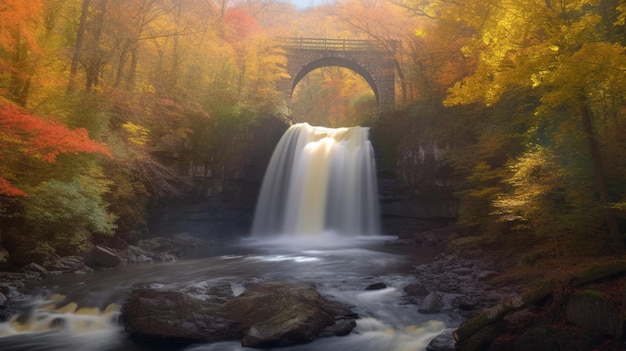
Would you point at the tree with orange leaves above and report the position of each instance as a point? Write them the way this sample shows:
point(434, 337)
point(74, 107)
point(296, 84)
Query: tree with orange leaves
point(25, 136)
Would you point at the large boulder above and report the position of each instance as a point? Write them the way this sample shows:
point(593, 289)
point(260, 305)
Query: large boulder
point(172, 316)
point(266, 315)
point(280, 314)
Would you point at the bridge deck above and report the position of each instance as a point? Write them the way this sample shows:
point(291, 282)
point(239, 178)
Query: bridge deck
point(330, 44)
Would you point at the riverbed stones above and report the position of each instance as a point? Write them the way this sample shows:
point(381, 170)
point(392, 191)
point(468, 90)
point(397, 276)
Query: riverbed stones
point(266, 315)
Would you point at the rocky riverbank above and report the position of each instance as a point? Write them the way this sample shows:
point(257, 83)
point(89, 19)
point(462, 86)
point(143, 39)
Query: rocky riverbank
point(106, 256)
point(582, 312)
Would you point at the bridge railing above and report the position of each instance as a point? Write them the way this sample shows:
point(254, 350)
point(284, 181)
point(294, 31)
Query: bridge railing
point(330, 44)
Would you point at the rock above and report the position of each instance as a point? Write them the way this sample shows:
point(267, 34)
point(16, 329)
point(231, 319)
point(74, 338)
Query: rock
point(481, 340)
point(416, 290)
point(218, 292)
point(442, 342)
point(35, 268)
point(164, 257)
point(280, 314)
point(172, 316)
point(432, 303)
point(66, 264)
point(266, 315)
point(341, 327)
point(376, 286)
point(134, 254)
point(158, 245)
point(101, 256)
point(590, 310)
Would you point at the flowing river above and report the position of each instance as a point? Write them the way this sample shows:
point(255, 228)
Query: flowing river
point(86, 307)
point(320, 181)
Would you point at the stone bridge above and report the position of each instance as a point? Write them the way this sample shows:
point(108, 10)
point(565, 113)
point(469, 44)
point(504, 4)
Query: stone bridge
point(367, 58)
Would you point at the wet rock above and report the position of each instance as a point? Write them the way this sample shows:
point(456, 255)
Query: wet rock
point(217, 292)
point(416, 290)
point(159, 245)
point(172, 316)
point(134, 254)
point(164, 257)
point(35, 268)
point(341, 327)
point(281, 314)
point(269, 314)
point(376, 286)
point(66, 264)
point(432, 303)
point(101, 256)
point(442, 342)
point(4, 256)
point(590, 310)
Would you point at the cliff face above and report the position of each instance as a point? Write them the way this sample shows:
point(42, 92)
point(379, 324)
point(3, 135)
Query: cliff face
point(416, 185)
point(222, 198)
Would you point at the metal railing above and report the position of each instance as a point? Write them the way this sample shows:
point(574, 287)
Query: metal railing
point(330, 44)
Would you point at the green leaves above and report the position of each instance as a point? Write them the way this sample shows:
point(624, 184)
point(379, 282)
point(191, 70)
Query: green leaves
point(60, 206)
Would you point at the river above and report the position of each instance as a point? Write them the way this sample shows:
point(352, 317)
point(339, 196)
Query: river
point(80, 312)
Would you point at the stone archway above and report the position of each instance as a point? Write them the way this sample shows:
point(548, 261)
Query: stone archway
point(370, 61)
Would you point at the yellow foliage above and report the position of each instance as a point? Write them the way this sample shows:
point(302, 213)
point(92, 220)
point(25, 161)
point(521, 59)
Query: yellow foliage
point(137, 134)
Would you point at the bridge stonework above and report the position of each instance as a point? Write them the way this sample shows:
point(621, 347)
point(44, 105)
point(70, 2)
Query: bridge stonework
point(373, 63)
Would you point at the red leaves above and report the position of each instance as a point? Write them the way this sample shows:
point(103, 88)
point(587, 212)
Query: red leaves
point(22, 134)
point(6, 188)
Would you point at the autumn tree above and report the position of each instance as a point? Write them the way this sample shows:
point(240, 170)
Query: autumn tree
point(50, 189)
point(564, 54)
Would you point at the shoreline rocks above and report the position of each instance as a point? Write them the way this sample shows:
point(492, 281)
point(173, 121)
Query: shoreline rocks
point(105, 256)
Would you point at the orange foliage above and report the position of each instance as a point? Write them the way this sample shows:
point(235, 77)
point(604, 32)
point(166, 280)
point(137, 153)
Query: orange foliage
point(19, 21)
point(240, 24)
point(22, 134)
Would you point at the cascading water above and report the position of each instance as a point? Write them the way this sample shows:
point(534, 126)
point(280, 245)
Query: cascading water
point(319, 180)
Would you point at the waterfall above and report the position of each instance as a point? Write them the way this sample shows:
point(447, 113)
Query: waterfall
point(319, 180)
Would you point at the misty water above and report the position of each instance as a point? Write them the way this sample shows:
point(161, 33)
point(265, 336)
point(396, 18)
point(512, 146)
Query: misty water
point(340, 271)
point(316, 223)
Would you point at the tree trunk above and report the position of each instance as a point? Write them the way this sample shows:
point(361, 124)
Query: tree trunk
point(598, 168)
point(94, 62)
point(78, 46)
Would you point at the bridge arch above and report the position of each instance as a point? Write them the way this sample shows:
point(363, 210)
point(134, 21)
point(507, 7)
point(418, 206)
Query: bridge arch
point(366, 58)
point(335, 62)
